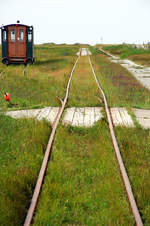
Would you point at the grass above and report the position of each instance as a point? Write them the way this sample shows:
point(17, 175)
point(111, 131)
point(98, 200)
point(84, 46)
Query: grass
point(22, 145)
point(56, 50)
point(141, 56)
point(94, 51)
point(123, 90)
point(143, 59)
point(42, 82)
point(83, 91)
point(83, 185)
point(135, 149)
point(23, 142)
point(120, 87)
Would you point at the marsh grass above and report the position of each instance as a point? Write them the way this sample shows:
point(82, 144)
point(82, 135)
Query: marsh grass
point(135, 149)
point(143, 59)
point(120, 87)
point(123, 90)
point(22, 146)
point(83, 185)
point(83, 90)
point(141, 56)
point(42, 82)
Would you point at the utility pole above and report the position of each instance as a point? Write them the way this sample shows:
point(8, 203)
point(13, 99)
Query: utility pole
point(101, 40)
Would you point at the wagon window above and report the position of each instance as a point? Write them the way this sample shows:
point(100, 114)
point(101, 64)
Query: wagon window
point(29, 36)
point(4, 36)
point(21, 35)
point(12, 35)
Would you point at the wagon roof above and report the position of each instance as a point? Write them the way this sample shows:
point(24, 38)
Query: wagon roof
point(15, 25)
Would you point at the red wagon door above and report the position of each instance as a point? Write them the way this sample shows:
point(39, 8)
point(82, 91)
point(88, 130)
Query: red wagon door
point(17, 41)
point(21, 41)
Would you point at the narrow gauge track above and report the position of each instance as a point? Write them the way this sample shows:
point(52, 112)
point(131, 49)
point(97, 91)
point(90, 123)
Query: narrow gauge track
point(40, 179)
point(125, 178)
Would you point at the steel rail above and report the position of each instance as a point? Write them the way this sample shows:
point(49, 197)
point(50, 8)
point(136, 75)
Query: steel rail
point(126, 181)
point(106, 53)
point(40, 179)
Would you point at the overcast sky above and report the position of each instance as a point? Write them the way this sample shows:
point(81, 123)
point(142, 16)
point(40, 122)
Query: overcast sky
point(84, 21)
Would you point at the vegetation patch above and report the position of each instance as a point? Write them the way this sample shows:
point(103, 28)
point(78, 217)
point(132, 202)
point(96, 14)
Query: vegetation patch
point(141, 56)
point(22, 146)
point(42, 82)
point(143, 59)
point(135, 149)
point(120, 87)
point(83, 185)
point(83, 91)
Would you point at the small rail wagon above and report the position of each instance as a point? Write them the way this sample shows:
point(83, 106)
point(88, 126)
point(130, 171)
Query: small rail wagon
point(17, 44)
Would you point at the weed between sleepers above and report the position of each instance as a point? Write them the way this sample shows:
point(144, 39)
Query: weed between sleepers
point(83, 185)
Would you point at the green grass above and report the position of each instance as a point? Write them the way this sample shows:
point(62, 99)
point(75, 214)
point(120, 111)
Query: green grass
point(124, 50)
point(83, 185)
point(123, 90)
point(94, 51)
point(141, 56)
point(43, 81)
point(83, 90)
point(22, 145)
point(120, 87)
point(56, 50)
point(135, 148)
point(23, 142)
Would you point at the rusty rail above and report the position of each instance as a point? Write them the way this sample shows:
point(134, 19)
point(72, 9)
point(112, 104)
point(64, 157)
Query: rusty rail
point(126, 181)
point(106, 53)
point(40, 179)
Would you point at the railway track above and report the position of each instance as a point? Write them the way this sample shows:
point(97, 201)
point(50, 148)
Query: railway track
point(125, 178)
point(40, 179)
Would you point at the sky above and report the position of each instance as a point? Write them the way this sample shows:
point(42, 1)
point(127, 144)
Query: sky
point(81, 21)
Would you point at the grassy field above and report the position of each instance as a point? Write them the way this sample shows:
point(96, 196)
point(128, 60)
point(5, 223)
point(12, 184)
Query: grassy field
point(42, 82)
point(120, 87)
point(22, 145)
point(135, 149)
point(123, 90)
point(23, 142)
point(83, 185)
point(83, 91)
point(140, 56)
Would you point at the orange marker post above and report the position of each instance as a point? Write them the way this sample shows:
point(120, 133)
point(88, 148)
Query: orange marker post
point(7, 97)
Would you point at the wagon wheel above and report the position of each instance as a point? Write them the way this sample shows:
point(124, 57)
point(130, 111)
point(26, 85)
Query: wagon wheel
point(5, 61)
point(29, 61)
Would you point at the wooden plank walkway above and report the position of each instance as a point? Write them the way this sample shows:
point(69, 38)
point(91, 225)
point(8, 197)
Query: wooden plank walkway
point(85, 117)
